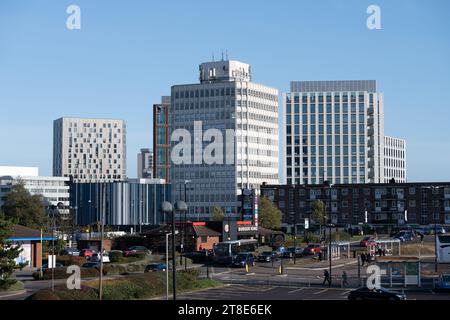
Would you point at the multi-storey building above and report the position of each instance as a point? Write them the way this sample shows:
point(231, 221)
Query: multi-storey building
point(145, 164)
point(242, 114)
point(394, 159)
point(334, 131)
point(89, 150)
point(128, 203)
point(54, 190)
point(385, 203)
point(161, 142)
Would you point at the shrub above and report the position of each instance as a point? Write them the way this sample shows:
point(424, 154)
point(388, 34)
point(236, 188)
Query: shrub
point(71, 260)
point(61, 273)
point(115, 256)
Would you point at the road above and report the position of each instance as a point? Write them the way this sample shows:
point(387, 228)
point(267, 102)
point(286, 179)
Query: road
point(246, 292)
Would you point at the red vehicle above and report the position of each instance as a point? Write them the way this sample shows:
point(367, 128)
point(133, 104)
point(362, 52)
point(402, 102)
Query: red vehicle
point(87, 253)
point(367, 241)
point(312, 249)
point(136, 250)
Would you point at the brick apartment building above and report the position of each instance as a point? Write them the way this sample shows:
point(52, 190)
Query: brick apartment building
point(385, 203)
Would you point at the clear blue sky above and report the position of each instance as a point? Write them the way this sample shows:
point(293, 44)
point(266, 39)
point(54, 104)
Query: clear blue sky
point(128, 53)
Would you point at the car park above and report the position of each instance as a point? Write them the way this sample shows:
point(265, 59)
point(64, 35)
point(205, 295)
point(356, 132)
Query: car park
point(312, 249)
point(443, 283)
point(290, 252)
point(45, 266)
point(367, 241)
point(242, 259)
point(365, 293)
point(96, 258)
point(155, 267)
point(87, 253)
point(404, 236)
point(267, 256)
point(70, 252)
point(136, 250)
point(91, 265)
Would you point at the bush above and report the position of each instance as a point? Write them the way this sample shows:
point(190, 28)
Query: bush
point(115, 256)
point(71, 260)
point(61, 273)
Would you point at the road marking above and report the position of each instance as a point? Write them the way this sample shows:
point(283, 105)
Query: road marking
point(250, 274)
point(321, 291)
point(296, 290)
point(346, 292)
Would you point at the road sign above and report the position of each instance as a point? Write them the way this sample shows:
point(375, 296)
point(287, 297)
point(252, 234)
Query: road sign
point(282, 249)
point(306, 223)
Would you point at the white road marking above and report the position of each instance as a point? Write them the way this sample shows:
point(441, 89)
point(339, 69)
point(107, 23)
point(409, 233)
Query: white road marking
point(296, 290)
point(321, 291)
point(346, 292)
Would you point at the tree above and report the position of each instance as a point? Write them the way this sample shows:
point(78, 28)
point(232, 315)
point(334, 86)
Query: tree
point(217, 214)
point(318, 213)
point(269, 214)
point(8, 253)
point(26, 209)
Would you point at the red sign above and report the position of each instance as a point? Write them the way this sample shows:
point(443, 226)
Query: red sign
point(244, 223)
point(199, 223)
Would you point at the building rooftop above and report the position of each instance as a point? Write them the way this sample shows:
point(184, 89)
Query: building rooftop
point(334, 86)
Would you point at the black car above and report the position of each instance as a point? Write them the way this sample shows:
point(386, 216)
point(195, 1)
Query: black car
point(153, 267)
point(267, 256)
point(365, 293)
point(290, 252)
point(242, 259)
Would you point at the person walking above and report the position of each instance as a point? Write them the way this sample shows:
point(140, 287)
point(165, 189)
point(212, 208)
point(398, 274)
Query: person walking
point(326, 278)
point(344, 279)
point(363, 259)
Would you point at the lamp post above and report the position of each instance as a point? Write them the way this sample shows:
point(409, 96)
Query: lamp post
point(435, 233)
point(167, 208)
point(102, 235)
point(186, 182)
point(295, 236)
point(167, 265)
point(330, 225)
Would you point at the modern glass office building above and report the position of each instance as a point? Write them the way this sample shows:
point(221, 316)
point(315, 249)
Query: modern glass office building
point(334, 131)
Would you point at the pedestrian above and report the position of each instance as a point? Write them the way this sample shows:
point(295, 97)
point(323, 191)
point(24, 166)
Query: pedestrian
point(380, 252)
point(363, 259)
point(344, 279)
point(368, 258)
point(326, 277)
point(421, 237)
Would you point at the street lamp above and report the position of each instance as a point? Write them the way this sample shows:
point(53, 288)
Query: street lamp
point(185, 222)
point(330, 225)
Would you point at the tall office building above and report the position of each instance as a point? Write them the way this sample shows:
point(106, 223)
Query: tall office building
point(394, 159)
point(161, 143)
point(89, 150)
point(225, 100)
point(334, 132)
point(145, 164)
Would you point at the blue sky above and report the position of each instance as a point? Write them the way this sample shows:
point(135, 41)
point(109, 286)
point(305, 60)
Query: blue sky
point(128, 53)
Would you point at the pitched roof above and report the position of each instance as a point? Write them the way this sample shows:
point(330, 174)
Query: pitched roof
point(202, 231)
point(25, 233)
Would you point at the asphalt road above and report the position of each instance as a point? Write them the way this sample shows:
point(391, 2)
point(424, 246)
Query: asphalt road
point(246, 292)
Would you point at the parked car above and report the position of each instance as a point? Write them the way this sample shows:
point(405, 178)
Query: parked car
point(136, 250)
point(404, 236)
point(91, 265)
point(45, 266)
point(290, 252)
point(439, 229)
point(87, 253)
point(243, 258)
point(154, 267)
point(312, 249)
point(367, 241)
point(365, 293)
point(443, 283)
point(96, 258)
point(267, 256)
point(70, 252)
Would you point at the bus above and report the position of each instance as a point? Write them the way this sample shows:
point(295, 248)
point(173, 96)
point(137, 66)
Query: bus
point(443, 248)
point(224, 252)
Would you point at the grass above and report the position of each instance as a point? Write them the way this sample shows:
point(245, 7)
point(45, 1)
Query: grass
point(17, 286)
point(132, 287)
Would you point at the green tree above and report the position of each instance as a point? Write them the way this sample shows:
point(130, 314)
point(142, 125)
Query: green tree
point(318, 213)
point(8, 253)
point(26, 209)
point(217, 214)
point(269, 214)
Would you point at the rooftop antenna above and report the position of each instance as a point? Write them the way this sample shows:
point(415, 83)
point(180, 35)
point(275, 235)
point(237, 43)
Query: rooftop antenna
point(222, 54)
point(213, 56)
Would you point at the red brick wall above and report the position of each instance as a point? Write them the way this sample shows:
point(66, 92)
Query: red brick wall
point(209, 244)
